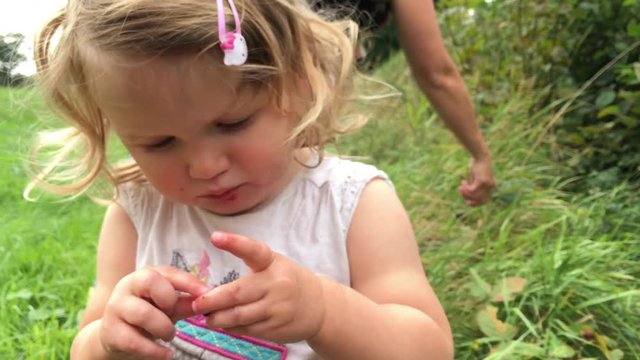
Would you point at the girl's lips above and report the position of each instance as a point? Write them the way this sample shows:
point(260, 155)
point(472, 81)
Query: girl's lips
point(223, 194)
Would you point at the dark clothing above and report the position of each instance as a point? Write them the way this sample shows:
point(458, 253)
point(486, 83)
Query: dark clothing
point(375, 18)
point(370, 14)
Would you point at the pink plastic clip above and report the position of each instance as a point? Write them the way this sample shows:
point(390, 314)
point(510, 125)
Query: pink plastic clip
point(232, 43)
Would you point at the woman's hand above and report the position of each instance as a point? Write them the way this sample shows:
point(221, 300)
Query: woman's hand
point(143, 307)
point(279, 301)
point(478, 190)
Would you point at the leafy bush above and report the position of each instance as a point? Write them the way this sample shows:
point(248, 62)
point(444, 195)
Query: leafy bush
point(602, 133)
point(584, 52)
point(10, 58)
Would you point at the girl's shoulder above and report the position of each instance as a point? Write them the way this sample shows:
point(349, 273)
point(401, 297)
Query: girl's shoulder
point(136, 191)
point(341, 172)
point(136, 196)
point(337, 184)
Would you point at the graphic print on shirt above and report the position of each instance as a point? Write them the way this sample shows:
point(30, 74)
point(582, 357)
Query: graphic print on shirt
point(194, 330)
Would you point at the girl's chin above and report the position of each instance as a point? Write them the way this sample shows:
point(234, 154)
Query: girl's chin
point(228, 208)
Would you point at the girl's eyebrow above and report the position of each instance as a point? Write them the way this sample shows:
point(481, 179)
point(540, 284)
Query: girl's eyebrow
point(135, 139)
point(248, 90)
point(246, 95)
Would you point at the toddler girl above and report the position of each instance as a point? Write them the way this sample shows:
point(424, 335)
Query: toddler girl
point(231, 235)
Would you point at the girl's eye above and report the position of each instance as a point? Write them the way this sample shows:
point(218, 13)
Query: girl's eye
point(160, 145)
point(233, 126)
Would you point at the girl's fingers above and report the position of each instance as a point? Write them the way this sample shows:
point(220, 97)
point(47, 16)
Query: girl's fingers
point(147, 317)
point(144, 307)
point(183, 308)
point(159, 285)
point(240, 292)
point(242, 315)
point(183, 281)
point(128, 340)
point(149, 284)
point(255, 254)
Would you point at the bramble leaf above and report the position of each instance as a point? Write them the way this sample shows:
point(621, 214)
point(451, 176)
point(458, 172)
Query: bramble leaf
point(491, 326)
point(507, 288)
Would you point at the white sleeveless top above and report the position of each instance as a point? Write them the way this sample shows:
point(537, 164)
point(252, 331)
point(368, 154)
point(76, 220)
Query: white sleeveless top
point(308, 222)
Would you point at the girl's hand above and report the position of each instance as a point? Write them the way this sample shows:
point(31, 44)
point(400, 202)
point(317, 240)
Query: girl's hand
point(279, 301)
point(143, 307)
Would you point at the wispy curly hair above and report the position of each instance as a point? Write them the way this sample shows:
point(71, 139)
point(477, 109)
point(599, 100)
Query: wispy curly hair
point(286, 40)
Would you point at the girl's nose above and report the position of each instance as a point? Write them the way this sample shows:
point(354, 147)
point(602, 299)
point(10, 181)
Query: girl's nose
point(207, 162)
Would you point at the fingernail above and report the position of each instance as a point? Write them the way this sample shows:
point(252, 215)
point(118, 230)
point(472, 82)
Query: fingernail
point(217, 237)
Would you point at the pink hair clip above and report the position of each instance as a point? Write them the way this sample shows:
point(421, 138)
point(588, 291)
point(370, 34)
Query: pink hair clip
point(232, 43)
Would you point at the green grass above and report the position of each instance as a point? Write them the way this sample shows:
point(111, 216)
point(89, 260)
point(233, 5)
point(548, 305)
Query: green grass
point(46, 249)
point(579, 253)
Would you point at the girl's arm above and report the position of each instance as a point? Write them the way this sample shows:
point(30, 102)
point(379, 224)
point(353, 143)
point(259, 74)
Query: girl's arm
point(115, 260)
point(391, 312)
point(437, 76)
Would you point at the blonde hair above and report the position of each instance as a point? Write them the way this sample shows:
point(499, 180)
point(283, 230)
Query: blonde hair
point(286, 41)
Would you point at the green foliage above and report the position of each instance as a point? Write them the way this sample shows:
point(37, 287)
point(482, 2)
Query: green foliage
point(602, 135)
point(10, 58)
point(538, 273)
point(583, 51)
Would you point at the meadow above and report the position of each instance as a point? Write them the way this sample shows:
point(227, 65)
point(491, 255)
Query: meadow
point(538, 273)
